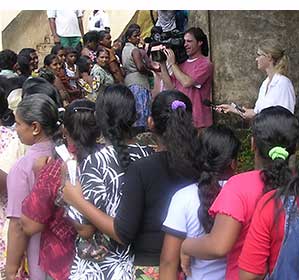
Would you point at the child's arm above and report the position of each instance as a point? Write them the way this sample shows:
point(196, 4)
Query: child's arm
point(16, 247)
point(170, 257)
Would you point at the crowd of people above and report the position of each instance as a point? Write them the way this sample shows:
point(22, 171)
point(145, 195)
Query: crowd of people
point(176, 210)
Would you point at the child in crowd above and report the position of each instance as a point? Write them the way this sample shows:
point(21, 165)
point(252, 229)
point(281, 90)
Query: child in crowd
point(152, 181)
point(51, 62)
point(188, 211)
point(100, 70)
point(41, 209)
point(36, 125)
point(102, 180)
point(71, 67)
point(90, 42)
point(234, 206)
point(88, 85)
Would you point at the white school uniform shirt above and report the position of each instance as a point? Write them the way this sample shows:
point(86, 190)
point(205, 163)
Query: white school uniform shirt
point(66, 22)
point(280, 92)
point(182, 221)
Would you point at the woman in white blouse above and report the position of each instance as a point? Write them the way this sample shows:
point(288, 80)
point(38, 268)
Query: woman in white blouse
point(277, 88)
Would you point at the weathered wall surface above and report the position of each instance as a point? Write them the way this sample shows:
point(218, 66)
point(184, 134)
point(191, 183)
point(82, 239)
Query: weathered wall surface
point(234, 37)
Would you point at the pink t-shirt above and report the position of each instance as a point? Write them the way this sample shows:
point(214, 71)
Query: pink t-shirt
point(201, 72)
point(20, 181)
point(238, 199)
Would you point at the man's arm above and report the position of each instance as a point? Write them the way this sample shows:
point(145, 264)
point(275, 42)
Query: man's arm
point(165, 77)
point(52, 23)
point(183, 78)
point(80, 22)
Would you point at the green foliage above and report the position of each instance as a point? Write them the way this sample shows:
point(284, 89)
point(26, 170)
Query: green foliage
point(246, 156)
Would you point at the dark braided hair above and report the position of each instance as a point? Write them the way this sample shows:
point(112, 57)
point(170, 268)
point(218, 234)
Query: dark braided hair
point(219, 147)
point(175, 129)
point(80, 122)
point(115, 114)
point(272, 127)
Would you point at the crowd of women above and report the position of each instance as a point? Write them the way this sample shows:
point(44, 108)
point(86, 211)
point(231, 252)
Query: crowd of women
point(174, 211)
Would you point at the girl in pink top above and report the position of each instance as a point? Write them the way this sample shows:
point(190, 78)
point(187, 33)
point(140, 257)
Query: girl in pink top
point(234, 207)
point(36, 122)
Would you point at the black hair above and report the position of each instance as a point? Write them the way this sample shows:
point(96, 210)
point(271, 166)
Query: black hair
point(102, 34)
point(39, 85)
point(116, 113)
point(56, 49)
point(49, 59)
point(8, 84)
point(7, 117)
point(8, 59)
point(199, 35)
point(42, 109)
point(80, 122)
point(101, 49)
point(23, 62)
point(131, 29)
point(219, 147)
point(82, 64)
point(90, 36)
point(69, 50)
point(27, 51)
point(275, 127)
point(175, 129)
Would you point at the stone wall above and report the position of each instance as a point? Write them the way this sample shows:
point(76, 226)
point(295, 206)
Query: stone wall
point(234, 37)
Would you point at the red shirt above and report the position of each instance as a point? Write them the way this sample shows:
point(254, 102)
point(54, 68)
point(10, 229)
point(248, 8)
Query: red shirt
point(57, 240)
point(264, 238)
point(201, 72)
point(238, 199)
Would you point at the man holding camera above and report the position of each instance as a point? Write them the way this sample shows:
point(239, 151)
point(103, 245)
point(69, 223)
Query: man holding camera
point(192, 77)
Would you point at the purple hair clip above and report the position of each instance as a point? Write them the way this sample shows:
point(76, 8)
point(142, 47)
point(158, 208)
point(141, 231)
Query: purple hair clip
point(178, 104)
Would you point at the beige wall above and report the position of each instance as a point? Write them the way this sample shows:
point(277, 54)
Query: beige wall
point(6, 16)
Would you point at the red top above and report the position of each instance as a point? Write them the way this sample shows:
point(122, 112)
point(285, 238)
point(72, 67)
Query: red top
point(57, 240)
point(264, 238)
point(201, 72)
point(238, 199)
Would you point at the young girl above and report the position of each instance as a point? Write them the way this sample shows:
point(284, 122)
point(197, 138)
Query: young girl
point(152, 181)
point(100, 70)
point(36, 124)
point(88, 85)
point(188, 211)
point(41, 211)
point(51, 62)
point(102, 181)
point(234, 206)
point(271, 245)
point(71, 67)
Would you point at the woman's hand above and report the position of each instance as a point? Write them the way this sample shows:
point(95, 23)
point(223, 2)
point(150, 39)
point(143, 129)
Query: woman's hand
point(225, 108)
point(185, 263)
point(248, 114)
point(72, 195)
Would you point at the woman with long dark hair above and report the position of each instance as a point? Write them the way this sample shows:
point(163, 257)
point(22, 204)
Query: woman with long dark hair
point(273, 128)
point(188, 211)
point(149, 185)
point(102, 180)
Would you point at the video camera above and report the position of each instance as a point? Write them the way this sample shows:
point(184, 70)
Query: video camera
point(173, 39)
